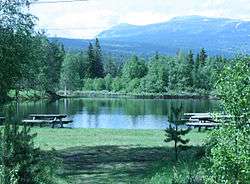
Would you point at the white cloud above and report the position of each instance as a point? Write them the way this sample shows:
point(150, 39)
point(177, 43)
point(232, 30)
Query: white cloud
point(87, 19)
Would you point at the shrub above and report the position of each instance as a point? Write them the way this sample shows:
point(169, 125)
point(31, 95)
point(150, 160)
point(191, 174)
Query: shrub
point(108, 82)
point(88, 84)
point(117, 84)
point(133, 85)
point(99, 84)
point(21, 162)
point(228, 148)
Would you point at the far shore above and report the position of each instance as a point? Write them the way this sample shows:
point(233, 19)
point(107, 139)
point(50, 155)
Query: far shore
point(107, 94)
point(32, 95)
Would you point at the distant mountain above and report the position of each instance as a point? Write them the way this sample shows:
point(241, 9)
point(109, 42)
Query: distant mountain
point(217, 35)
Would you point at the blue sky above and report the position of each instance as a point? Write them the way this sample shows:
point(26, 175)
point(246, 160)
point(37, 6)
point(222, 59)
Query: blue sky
point(87, 19)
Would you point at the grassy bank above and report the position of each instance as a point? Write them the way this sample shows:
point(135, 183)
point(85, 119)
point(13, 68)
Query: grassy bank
point(111, 156)
point(166, 95)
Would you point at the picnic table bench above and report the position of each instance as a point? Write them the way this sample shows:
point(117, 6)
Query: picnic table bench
point(200, 125)
point(201, 120)
point(48, 119)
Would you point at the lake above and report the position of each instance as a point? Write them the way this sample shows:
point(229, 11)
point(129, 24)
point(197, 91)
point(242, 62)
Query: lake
point(114, 112)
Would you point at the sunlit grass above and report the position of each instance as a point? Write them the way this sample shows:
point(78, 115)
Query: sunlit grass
point(49, 138)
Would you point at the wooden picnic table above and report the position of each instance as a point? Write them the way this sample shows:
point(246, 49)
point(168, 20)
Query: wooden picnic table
point(48, 118)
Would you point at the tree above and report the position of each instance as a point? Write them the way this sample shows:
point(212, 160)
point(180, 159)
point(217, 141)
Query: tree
point(110, 67)
point(134, 68)
point(190, 68)
point(70, 76)
point(99, 71)
point(229, 149)
point(16, 29)
point(90, 69)
point(203, 56)
point(50, 68)
point(173, 133)
point(156, 80)
point(83, 65)
point(197, 62)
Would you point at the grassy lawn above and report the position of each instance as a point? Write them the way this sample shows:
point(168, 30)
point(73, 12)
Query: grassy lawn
point(109, 156)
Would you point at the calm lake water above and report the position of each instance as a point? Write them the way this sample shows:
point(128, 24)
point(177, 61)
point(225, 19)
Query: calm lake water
point(114, 113)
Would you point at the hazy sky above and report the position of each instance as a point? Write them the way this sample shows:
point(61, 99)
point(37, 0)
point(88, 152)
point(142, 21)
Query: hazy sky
point(87, 19)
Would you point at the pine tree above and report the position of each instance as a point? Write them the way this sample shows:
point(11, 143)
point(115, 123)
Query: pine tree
point(157, 56)
point(173, 133)
point(190, 67)
point(197, 62)
point(99, 71)
point(110, 67)
point(90, 69)
point(203, 56)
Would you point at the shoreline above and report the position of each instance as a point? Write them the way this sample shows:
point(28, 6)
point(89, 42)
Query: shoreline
point(105, 94)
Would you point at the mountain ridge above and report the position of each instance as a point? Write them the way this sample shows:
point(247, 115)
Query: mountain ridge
point(220, 36)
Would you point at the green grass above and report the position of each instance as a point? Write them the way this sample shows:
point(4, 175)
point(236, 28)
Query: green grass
point(111, 156)
point(65, 138)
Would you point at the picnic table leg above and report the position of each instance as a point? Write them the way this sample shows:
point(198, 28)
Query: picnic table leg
point(53, 125)
point(61, 123)
point(199, 128)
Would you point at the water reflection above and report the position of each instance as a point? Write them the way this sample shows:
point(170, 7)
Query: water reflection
point(114, 113)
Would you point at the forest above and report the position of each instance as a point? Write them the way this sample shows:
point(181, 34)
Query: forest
point(49, 68)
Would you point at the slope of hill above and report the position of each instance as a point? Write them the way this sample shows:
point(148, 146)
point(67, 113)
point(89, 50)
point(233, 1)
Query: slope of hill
point(217, 35)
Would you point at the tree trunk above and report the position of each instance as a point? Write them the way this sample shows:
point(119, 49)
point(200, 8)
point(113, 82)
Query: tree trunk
point(17, 94)
point(176, 151)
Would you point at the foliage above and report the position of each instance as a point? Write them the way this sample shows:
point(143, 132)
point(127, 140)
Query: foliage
point(108, 82)
point(70, 76)
point(228, 148)
point(173, 133)
point(134, 68)
point(228, 162)
point(99, 70)
point(94, 68)
point(21, 162)
point(50, 70)
point(16, 28)
point(110, 67)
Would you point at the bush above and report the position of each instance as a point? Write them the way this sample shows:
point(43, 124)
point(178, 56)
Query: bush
point(133, 85)
point(88, 84)
point(99, 84)
point(228, 148)
point(117, 84)
point(108, 82)
point(21, 162)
